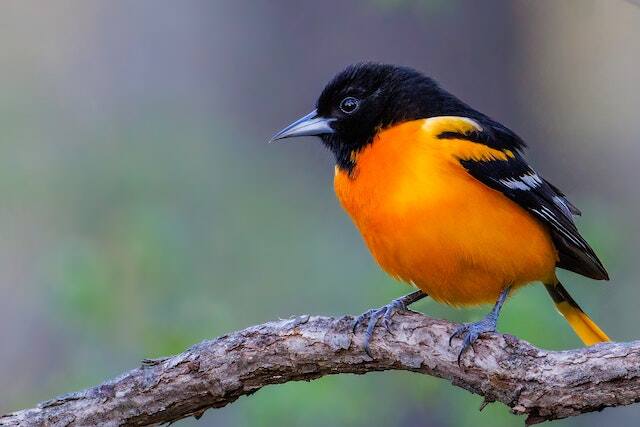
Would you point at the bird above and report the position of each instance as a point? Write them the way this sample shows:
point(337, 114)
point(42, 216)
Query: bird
point(445, 199)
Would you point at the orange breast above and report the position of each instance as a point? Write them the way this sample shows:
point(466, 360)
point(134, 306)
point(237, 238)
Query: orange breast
point(430, 223)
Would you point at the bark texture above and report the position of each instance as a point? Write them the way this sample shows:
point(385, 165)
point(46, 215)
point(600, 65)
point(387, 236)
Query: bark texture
point(543, 385)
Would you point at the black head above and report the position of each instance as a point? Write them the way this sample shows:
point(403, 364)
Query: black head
point(366, 98)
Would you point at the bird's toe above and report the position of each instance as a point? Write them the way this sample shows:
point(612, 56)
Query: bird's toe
point(470, 332)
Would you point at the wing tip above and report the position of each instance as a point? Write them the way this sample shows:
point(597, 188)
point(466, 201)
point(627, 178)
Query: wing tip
point(583, 260)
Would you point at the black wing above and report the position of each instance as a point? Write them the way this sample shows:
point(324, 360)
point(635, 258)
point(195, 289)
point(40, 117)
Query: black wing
point(516, 180)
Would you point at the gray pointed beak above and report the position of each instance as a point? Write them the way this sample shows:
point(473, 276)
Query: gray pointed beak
point(309, 125)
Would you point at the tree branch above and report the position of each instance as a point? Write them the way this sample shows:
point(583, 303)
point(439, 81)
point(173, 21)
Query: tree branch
point(544, 385)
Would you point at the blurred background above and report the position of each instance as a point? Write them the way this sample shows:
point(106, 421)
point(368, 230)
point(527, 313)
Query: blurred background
point(142, 210)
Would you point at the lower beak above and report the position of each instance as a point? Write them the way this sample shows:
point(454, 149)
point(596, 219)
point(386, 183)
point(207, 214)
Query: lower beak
point(309, 125)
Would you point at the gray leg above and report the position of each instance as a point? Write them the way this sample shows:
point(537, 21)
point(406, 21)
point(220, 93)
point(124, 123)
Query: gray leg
point(386, 313)
point(471, 331)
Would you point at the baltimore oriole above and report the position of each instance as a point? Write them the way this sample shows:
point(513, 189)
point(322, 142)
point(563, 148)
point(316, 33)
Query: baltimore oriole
point(444, 199)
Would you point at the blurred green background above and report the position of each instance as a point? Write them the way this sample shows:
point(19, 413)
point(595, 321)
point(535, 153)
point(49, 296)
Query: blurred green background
point(142, 210)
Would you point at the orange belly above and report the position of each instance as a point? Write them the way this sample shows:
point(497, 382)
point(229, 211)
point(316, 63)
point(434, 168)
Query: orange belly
point(428, 222)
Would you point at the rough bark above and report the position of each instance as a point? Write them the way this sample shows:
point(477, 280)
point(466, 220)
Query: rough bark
point(544, 385)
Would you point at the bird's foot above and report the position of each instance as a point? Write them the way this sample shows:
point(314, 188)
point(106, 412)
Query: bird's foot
point(371, 318)
point(469, 332)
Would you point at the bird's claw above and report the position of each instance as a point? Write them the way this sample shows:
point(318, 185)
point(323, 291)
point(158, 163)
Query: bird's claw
point(469, 332)
point(385, 313)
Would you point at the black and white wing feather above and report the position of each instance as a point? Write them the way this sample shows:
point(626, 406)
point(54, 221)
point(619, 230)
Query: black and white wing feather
point(519, 182)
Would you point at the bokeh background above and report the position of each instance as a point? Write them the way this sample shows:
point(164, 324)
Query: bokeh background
point(142, 211)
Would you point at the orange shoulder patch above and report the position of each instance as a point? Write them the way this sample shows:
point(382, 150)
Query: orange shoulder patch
point(460, 148)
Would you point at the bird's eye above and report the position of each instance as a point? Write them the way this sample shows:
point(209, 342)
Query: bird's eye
point(349, 105)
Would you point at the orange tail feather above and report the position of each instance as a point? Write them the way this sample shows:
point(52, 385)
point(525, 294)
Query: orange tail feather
point(583, 326)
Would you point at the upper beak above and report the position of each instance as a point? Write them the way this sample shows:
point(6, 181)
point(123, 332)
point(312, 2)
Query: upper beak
point(309, 125)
